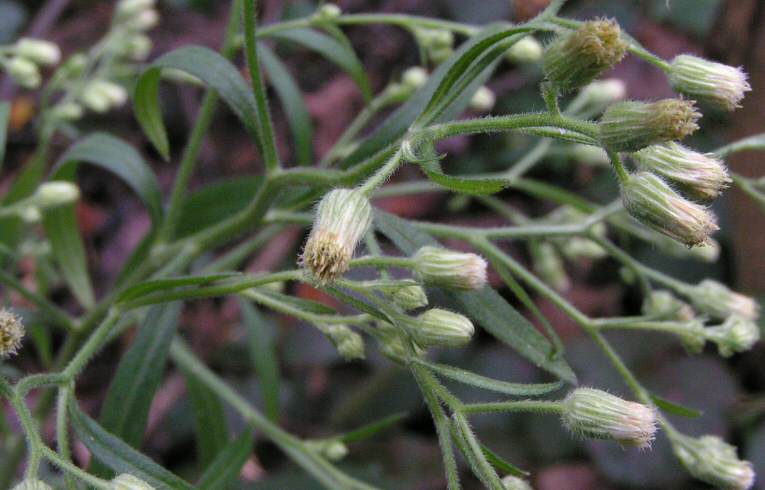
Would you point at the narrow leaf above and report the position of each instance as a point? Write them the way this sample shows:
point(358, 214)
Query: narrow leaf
point(209, 419)
point(371, 429)
point(260, 338)
point(154, 285)
point(5, 117)
point(224, 471)
point(676, 408)
point(501, 464)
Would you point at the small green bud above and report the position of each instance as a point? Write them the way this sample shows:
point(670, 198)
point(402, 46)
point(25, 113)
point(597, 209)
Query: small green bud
point(30, 214)
point(24, 72)
point(702, 176)
point(129, 482)
point(32, 485)
point(665, 305)
point(335, 451)
point(713, 461)
point(138, 47)
point(392, 344)
point(348, 343)
point(590, 155)
point(143, 21)
point(442, 328)
point(407, 297)
point(38, 51)
point(527, 50)
point(439, 55)
point(652, 202)
point(329, 11)
point(708, 251)
point(342, 218)
point(449, 269)
point(719, 85)
point(129, 8)
point(577, 58)
point(74, 65)
point(549, 266)
point(718, 301)
point(630, 126)
point(101, 95)
point(594, 413)
point(735, 335)
point(414, 78)
point(605, 92)
point(483, 100)
point(11, 333)
point(511, 482)
point(67, 111)
point(56, 193)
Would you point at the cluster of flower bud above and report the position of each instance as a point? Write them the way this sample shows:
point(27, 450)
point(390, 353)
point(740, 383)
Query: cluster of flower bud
point(718, 301)
point(349, 344)
point(11, 333)
point(602, 93)
point(101, 95)
point(449, 269)
point(437, 43)
point(28, 55)
point(594, 413)
point(713, 461)
point(136, 15)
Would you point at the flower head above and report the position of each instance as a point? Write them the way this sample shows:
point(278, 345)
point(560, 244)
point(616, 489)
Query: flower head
point(702, 176)
point(631, 125)
point(447, 268)
point(129, 482)
point(718, 301)
point(736, 334)
point(342, 218)
point(706, 81)
point(714, 461)
point(577, 58)
point(11, 333)
point(652, 202)
point(597, 414)
point(442, 328)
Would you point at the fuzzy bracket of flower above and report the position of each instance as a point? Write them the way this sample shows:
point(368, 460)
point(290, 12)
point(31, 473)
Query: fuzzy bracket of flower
point(666, 188)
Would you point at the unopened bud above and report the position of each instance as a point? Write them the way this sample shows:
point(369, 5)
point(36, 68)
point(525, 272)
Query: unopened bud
point(348, 343)
point(392, 344)
point(138, 47)
point(576, 248)
point(706, 81)
point(335, 451)
point(511, 482)
point(718, 301)
point(735, 335)
point(54, 194)
point(527, 50)
point(665, 305)
point(329, 11)
point(442, 328)
point(407, 297)
point(483, 100)
point(702, 176)
point(414, 78)
point(577, 58)
point(549, 266)
point(32, 485)
point(129, 482)
point(652, 202)
point(342, 218)
point(24, 72)
point(68, 111)
point(630, 126)
point(713, 461)
point(449, 269)
point(605, 92)
point(144, 20)
point(11, 333)
point(129, 8)
point(101, 95)
point(38, 51)
point(594, 413)
point(706, 252)
point(590, 155)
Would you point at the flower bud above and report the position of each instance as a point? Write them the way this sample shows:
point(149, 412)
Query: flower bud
point(449, 269)
point(594, 413)
point(32, 485)
point(590, 155)
point(702, 176)
point(342, 218)
point(138, 47)
point(442, 328)
point(630, 126)
point(335, 451)
point(129, 8)
point(665, 305)
point(11, 333)
point(708, 251)
point(575, 248)
point(511, 482)
point(38, 51)
point(714, 461)
point(414, 78)
point(577, 58)
point(348, 343)
point(100, 95)
point(716, 300)
point(56, 193)
point(527, 50)
point(24, 72)
point(652, 202)
point(706, 81)
point(483, 100)
point(144, 20)
point(68, 111)
point(329, 11)
point(549, 266)
point(407, 297)
point(392, 344)
point(735, 335)
point(129, 482)
point(605, 92)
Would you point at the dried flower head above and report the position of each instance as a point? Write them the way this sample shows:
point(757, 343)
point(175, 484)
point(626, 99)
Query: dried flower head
point(577, 58)
point(631, 125)
point(652, 202)
point(706, 81)
point(11, 333)
point(702, 176)
point(714, 461)
point(342, 218)
point(449, 269)
point(718, 301)
point(594, 413)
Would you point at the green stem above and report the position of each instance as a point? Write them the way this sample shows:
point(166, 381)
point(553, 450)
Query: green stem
point(58, 316)
point(383, 261)
point(532, 406)
point(382, 174)
point(62, 431)
point(92, 345)
point(68, 467)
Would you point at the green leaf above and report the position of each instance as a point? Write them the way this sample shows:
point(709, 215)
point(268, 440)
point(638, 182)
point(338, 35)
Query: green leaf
point(224, 470)
point(5, 117)
point(501, 464)
point(263, 353)
point(676, 408)
point(293, 103)
point(357, 303)
point(371, 429)
point(490, 384)
point(139, 374)
point(119, 456)
point(213, 69)
point(486, 307)
point(333, 50)
point(210, 426)
point(151, 286)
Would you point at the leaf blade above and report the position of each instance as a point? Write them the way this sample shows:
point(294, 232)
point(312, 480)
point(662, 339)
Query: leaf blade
point(263, 355)
point(224, 470)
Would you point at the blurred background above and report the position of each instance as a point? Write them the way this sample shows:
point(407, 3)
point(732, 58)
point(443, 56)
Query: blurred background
point(320, 394)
